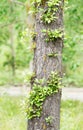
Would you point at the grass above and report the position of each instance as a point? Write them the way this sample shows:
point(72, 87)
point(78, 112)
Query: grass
point(71, 115)
point(12, 117)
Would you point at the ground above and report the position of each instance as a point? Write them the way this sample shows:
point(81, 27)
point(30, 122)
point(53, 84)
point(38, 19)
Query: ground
point(67, 93)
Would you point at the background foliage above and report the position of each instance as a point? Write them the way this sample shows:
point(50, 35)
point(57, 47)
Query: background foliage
point(16, 14)
point(73, 50)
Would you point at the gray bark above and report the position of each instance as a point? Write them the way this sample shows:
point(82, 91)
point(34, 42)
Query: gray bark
point(42, 66)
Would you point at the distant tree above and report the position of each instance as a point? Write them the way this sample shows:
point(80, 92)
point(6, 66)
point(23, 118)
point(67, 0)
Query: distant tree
point(12, 24)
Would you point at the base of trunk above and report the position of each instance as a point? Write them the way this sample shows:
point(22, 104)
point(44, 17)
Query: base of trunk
point(50, 117)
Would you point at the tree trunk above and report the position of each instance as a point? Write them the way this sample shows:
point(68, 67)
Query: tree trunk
point(12, 42)
point(12, 49)
point(43, 65)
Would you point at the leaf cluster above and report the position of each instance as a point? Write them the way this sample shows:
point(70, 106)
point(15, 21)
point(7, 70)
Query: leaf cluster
point(52, 54)
point(52, 35)
point(30, 77)
point(54, 82)
point(49, 14)
point(48, 119)
point(33, 35)
point(35, 4)
point(39, 93)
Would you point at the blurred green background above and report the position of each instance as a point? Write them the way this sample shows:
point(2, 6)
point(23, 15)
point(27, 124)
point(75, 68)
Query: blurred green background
point(15, 42)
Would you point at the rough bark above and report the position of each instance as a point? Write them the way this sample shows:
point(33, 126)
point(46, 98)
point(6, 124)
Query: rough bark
point(42, 66)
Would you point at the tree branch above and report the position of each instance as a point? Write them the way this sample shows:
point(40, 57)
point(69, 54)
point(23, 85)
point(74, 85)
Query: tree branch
point(17, 2)
point(7, 24)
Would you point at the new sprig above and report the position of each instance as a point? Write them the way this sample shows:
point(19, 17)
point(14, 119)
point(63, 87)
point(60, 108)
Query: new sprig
point(49, 13)
point(39, 93)
point(52, 35)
